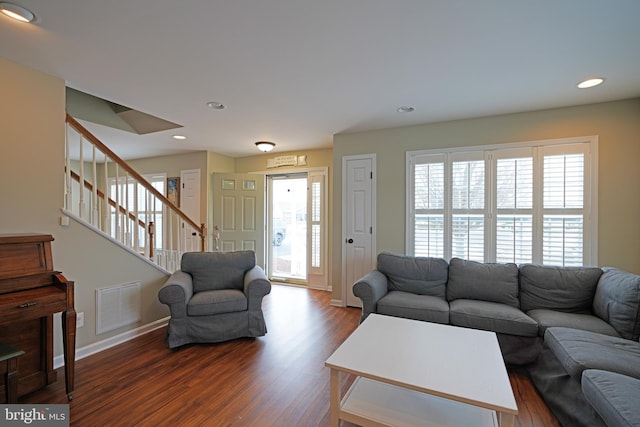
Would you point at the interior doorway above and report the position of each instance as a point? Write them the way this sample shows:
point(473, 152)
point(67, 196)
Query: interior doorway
point(287, 227)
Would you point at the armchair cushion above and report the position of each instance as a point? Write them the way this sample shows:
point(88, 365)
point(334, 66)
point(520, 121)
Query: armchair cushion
point(216, 302)
point(217, 270)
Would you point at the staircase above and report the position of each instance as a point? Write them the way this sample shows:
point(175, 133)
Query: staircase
point(108, 195)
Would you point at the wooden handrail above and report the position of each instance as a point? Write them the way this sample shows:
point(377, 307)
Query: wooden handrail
point(121, 163)
point(112, 202)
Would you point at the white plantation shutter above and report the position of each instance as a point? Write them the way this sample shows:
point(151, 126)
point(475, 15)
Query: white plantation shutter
point(564, 206)
point(428, 206)
point(526, 203)
point(468, 202)
point(514, 203)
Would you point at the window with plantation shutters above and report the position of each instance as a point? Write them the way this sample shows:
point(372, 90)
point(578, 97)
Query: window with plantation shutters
point(521, 203)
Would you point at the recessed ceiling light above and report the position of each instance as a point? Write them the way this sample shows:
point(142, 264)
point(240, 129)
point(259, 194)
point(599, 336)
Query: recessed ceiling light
point(405, 109)
point(215, 105)
point(16, 12)
point(180, 137)
point(590, 82)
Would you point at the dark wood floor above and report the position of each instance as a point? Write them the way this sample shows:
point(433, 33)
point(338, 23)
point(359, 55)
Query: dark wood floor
point(277, 380)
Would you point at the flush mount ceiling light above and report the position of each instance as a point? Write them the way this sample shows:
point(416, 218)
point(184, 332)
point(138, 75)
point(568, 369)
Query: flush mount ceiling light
point(265, 146)
point(405, 109)
point(180, 137)
point(215, 105)
point(591, 82)
point(16, 12)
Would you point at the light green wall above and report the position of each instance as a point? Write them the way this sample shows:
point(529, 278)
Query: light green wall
point(32, 114)
point(315, 158)
point(617, 124)
point(172, 166)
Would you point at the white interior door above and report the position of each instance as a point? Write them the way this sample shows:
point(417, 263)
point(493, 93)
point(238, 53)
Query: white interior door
point(358, 221)
point(190, 200)
point(238, 212)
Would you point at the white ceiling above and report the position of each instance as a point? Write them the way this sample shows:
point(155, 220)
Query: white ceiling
point(296, 72)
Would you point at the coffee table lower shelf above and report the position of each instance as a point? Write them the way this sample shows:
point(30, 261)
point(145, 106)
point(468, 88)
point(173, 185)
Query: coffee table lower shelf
point(373, 403)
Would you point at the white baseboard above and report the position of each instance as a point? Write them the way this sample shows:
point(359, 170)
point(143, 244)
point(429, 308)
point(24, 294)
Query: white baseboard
point(337, 303)
point(99, 346)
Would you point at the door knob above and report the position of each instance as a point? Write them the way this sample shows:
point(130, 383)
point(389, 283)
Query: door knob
point(349, 240)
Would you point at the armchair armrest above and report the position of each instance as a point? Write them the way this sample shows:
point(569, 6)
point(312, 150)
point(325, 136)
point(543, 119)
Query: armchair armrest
point(256, 285)
point(176, 293)
point(370, 288)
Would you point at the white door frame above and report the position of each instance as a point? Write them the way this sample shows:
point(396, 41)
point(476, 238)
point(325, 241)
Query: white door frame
point(318, 279)
point(344, 236)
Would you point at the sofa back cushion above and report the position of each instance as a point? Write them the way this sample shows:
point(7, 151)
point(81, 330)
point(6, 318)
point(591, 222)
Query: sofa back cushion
point(417, 275)
point(566, 289)
point(489, 282)
point(217, 270)
point(617, 302)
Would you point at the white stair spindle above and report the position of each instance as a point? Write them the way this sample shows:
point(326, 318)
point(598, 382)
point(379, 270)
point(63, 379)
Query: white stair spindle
point(81, 191)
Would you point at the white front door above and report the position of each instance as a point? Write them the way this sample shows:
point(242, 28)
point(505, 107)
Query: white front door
point(358, 221)
point(238, 213)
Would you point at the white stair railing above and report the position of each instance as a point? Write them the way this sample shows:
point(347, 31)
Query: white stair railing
point(104, 191)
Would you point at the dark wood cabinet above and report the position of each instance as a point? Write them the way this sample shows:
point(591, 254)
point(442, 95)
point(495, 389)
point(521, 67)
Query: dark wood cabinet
point(30, 293)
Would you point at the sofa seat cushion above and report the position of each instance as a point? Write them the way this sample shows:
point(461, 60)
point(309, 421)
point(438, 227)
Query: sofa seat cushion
point(615, 397)
point(412, 306)
point(568, 289)
point(491, 316)
point(578, 350)
point(550, 318)
point(216, 302)
point(483, 282)
point(417, 275)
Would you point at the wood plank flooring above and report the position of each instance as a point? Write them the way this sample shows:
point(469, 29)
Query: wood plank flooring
point(278, 380)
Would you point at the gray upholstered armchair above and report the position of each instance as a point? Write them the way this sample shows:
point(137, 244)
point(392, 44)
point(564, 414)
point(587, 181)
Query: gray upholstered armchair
point(215, 296)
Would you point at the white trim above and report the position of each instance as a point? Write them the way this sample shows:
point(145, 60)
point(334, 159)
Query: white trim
point(99, 346)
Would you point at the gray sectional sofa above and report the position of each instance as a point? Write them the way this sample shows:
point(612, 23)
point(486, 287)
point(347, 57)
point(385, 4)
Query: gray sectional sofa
point(575, 329)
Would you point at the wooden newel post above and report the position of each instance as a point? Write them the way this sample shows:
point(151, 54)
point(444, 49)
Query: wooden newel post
point(152, 231)
point(203, 233)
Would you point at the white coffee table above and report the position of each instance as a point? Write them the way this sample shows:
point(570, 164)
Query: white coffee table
point(413, 373)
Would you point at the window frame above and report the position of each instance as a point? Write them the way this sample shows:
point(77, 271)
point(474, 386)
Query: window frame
point(588, 145)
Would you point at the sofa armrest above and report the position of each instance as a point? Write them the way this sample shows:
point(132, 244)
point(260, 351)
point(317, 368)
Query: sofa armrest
point(617, 301)
point(256, 286)
point(176, 293)
point(370, 288)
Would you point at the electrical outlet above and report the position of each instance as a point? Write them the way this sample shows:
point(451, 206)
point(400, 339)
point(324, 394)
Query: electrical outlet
point(80, 319)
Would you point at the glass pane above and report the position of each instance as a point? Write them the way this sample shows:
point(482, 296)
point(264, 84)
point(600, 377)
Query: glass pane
point(514, 238)
point(289, 239)
point(468, 185)
point(467, 240)
point(514, 183)
point(429, 186)
point(564, 181)
point(429, 236)
point(315, 245)
point(563, 242)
